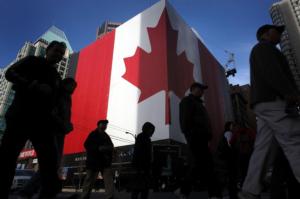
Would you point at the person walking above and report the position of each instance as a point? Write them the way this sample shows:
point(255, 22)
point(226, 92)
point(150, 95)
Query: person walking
point(274, 99)
point(99, 151)
point(196, 127)
point(226, 164)
point(243, 142)
point(142, 161)
point(62, 115)
point(36, 85)
point(62, 126)
point(283, 182)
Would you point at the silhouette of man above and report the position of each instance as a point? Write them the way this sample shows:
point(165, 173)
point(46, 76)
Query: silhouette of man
point(272, 91)
point(142, 158)
point(62, 126)
point(36, 84)
point(99, 151)
point(283, 182)
point(62, 114)
point(226, 160)
point(196, 127)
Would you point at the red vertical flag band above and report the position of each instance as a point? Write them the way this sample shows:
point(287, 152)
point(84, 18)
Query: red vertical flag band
point(90, 100)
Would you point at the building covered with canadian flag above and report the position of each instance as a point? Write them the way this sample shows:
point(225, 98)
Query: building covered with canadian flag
point(139, 72)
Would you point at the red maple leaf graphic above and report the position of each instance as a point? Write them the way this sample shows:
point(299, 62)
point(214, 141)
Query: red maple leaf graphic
point(161, 69)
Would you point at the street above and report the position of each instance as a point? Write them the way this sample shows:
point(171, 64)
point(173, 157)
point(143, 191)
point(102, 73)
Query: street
point(126, 195)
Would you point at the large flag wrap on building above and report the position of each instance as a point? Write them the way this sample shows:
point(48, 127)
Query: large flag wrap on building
point(139, 72)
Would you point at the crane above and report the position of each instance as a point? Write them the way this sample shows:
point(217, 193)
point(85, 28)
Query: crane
point(230, 69)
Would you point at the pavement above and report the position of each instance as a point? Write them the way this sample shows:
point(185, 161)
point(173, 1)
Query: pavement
point(126, 195)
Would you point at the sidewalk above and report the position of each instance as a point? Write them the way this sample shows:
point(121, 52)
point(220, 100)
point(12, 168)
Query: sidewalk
point(126, 195)
point(159, 195)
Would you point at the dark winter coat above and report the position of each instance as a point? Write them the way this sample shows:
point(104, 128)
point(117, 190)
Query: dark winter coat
point(142, 155)
point(32, 102)
point(99, 151)
point(270, 74)
point(194, 119)
point(62, 113)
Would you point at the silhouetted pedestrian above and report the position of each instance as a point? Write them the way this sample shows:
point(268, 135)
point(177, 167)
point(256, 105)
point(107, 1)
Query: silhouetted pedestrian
point(274, 98)
point(36, 85)
point(62, 114)
point(142, 161)
point(226, 161)
point(283, 182)
point(243, 141)
point(99, 151)
point(196, 127)
point(62, 126)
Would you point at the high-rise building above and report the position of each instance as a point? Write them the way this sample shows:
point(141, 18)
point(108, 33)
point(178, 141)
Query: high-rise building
point(6, 97)
point(106, 27)
point(4, 86)
point(287, 12)
point(37, 48)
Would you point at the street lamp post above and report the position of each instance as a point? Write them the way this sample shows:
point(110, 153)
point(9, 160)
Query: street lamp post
point(133, 135)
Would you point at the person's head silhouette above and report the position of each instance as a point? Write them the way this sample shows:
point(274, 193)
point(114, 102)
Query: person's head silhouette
point(55, 52)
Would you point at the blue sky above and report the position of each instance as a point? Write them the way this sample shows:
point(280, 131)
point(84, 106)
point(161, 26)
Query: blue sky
point(223, 24)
